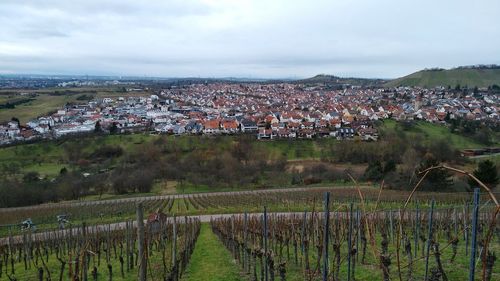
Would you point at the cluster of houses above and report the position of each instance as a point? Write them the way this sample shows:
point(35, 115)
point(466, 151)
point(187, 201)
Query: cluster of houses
point(268, 111)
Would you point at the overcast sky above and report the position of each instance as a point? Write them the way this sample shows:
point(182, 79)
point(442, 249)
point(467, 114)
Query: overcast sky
point(246, 38)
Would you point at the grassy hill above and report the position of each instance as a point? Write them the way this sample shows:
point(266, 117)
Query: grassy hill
point(472, 77)
point(336, 81)
point(428, 133)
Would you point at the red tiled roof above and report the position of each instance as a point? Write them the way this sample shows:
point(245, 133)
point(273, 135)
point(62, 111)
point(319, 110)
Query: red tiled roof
point(211, 124)
point(230, 124)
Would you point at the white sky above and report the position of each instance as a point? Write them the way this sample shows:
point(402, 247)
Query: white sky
point(246, 38)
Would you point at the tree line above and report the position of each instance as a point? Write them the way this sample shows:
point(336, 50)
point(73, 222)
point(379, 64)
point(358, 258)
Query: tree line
point(94, 166)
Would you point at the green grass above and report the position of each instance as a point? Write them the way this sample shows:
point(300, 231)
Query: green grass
point(434, 132)
point(296, 149)
point(48, 157)
point(111, 196)
point(45, 170)
point(31, 274)
point(42, 104)
point(430, 133)
point(210, 260)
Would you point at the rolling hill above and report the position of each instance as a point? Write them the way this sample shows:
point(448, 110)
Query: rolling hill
point(464, 76)
point(332, 80)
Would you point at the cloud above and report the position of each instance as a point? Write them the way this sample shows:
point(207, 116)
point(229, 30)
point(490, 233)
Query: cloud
point(385, 38)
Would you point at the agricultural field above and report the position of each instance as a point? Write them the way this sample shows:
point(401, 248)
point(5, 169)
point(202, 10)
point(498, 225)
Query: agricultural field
point(43, 101)
point(96, 253)
point(37, 106)
point(274, 233)
point(380, 246)
point(278, 200)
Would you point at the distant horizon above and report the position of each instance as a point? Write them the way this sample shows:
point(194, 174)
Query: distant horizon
point(181, 77)
point(230, 77)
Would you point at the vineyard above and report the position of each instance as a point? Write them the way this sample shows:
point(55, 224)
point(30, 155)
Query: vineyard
point(351, 244)
point(93, 252)
point(109, 211)
point(313, 234)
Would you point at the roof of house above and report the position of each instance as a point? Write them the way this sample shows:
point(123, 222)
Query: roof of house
point(211, 124)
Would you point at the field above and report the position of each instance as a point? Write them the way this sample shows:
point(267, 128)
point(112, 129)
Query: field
point(49, 100)
point(297, 250)
point(41, 105)
point(276, 200)
point(282, 235)
point(100, 253)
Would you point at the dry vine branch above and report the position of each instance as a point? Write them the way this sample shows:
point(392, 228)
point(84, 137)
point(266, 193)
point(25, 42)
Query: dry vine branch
point(369, 228)
point(378, 197)
point(482, 185)
point(415, 189)
point(486, 188)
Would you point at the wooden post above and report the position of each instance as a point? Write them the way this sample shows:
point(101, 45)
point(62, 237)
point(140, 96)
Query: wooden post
point(417, 229)
point(303, 232)
point(391, 226)
point(358, 236)
point(455, 221)
point(141, 243)
point(429, 238)
point(349, 245)
point(108, 244)
point(11, 253)
point(265, 245)
point(127, 245)
point(174, 243)
point(84, 253)
point(245, 241)
point(326, 235)
point(466, 228)
point(233, 242)
point(475, 212)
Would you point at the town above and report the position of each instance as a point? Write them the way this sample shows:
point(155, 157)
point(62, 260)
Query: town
point(268, 111)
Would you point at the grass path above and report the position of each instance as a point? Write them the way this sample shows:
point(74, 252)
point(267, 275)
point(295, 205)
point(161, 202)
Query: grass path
point(210, 260)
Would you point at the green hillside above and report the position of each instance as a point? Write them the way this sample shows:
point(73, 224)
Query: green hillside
point(472, 77)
